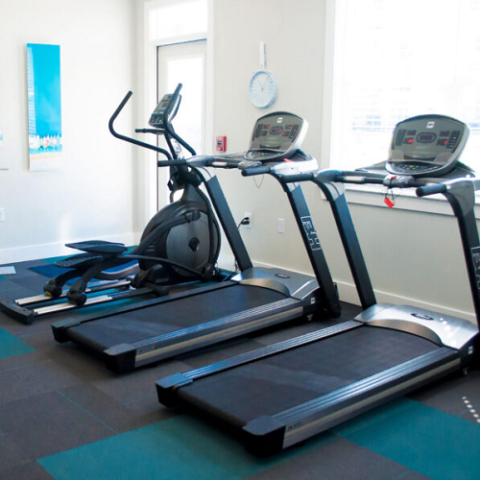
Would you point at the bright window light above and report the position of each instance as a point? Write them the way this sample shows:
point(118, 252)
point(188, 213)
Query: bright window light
point(394, 59)
point(179, 19)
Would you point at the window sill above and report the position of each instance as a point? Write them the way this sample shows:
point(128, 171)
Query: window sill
point(404, 200)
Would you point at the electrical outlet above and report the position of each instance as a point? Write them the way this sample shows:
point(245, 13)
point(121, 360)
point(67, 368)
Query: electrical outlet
point(281, 225)
point(250, 217)
point(2, 214)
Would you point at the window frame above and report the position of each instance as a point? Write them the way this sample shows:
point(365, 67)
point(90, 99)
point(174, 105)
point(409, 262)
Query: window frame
point(368, 195)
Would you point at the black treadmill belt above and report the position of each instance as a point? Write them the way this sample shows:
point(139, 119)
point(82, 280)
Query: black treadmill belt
point(145, 323)
point(273, 384)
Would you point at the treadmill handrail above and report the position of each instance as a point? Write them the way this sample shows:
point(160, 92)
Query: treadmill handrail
point(460, 194)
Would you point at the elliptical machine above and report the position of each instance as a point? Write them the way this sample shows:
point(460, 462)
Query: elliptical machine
point(180, 243)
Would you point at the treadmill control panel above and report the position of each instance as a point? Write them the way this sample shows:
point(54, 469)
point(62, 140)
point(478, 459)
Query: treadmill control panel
point(276, 136)
point(426, 145)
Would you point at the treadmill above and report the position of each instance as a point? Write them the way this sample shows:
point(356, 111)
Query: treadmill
point(277, 396)
point(255, 298)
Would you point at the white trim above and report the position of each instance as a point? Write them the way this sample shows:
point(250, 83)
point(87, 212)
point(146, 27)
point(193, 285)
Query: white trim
point(404, 200)
point(348, 293)
point(209, 87)
point(165, 42)
point(148, 174)
point(326, 134)
point(24, 253)
point(149, 177)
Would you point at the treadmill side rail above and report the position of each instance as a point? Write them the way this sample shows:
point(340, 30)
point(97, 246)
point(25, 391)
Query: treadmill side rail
point(123, 358)
point(61, 327)
point(322, 413)
point(270, 350)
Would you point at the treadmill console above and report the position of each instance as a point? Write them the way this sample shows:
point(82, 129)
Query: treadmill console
point(427, 145)
point(276, 136)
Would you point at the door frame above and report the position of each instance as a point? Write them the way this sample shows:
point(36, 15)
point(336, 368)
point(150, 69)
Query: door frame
point(163, 174)
point(147, 176)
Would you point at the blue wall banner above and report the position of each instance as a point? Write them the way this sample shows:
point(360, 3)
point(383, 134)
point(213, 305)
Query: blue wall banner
point(44, 106)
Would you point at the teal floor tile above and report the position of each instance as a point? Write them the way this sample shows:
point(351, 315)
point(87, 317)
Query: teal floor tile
point(178, 448)
point(10, 345)
point(434, 443)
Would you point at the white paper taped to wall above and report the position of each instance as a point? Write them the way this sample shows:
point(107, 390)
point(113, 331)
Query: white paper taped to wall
point(7, 271)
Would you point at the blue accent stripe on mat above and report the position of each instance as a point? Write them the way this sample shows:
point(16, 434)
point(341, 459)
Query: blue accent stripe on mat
point(434, 443)
point(10, 345)
point(54, 271)
point(56, 259)
point(179, 448)
point(99, 308)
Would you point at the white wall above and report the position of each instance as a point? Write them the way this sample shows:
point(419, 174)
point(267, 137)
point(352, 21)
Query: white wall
point(414, 257)
point(93, 194)
point(98, 192)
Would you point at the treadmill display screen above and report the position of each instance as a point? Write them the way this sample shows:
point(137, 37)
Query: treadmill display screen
point(427, 139)
point(276, 133)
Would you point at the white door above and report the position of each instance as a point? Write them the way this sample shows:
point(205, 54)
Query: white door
point(184, 63)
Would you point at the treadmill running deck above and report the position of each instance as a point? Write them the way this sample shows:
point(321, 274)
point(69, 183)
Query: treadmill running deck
point(142, 324)
point(279, 382)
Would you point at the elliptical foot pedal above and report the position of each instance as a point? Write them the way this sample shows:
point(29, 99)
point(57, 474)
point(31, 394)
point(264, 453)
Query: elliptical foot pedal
point(100, 247)
point(83, 260)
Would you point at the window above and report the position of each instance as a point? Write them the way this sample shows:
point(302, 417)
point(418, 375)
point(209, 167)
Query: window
point(394, 59)
point(178, 19)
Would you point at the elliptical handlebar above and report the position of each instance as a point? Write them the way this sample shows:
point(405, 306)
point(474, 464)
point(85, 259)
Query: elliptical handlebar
point(171, 163)
point(196, 161)
point(175, 101)
point(129, 139)
point(166, 122)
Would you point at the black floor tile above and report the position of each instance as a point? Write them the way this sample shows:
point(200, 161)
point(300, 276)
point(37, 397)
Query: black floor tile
point(28, 471)
point(340, 459)
point(450, 393)
point(35, 379)
point(11, 455)
point(120, 418)
point(45, 424)
point(140, 383)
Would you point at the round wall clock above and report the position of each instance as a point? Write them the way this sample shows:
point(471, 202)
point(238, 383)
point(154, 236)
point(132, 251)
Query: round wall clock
point(263, 89)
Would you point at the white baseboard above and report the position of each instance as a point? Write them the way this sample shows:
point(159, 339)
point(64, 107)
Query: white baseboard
point(348, 293)
point(32, 252)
